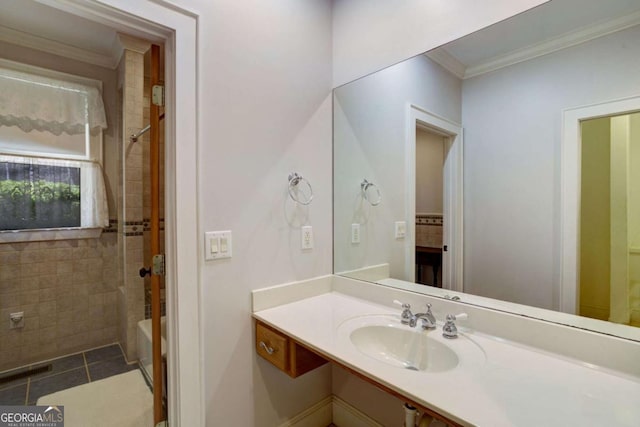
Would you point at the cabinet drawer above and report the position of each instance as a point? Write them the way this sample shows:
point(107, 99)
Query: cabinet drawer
point(273, 346)
point(283, 352)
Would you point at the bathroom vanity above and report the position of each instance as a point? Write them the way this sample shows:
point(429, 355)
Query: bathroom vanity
point(502, 370)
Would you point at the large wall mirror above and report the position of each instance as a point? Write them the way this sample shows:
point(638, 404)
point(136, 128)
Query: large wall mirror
point(502, 169)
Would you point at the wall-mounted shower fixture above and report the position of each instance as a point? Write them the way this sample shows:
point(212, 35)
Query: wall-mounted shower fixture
point(296, 194)
point(371, 193)
point(134, 137)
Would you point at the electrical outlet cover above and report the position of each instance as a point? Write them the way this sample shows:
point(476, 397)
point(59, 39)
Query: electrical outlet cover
point(355, 233)
point(400, 229)
point(307, 237)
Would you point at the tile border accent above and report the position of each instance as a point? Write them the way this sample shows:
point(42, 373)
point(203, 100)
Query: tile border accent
point(112, 227)
point(429, 219)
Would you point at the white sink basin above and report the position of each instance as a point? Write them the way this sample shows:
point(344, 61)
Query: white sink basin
point(384, 338)
point(404, 348)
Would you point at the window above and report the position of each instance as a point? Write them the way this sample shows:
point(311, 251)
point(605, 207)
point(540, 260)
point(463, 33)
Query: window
point(50, 150)
point(38, 196)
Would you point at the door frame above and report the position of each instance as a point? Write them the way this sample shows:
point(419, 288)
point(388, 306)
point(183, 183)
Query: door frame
point(176, 28)
point(570, 175)
point(452, 260)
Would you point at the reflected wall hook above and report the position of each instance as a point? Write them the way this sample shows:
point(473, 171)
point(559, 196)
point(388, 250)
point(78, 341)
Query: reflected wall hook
point(367, 187)
point(296, 179)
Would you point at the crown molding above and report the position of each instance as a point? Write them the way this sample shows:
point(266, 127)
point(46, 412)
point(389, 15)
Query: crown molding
point(447, 61)
point(19, 38)
point(567, 40)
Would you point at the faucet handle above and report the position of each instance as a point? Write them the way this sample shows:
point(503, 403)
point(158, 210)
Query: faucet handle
point(449, 330)
point(406, 315)
point(403, 304)
point(461, 316)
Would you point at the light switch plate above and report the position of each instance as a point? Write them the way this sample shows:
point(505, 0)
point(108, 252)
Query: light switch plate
point(217, 245)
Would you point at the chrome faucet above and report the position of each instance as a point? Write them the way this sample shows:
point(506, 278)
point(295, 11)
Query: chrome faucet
point(406, 315)
point(449, 330)
point(428, 319)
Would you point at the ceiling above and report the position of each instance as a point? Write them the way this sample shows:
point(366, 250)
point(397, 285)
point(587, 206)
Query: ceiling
point(546, 28)
point(37, 26)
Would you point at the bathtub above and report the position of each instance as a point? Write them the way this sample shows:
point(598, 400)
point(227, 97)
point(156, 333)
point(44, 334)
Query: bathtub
point(144, 346)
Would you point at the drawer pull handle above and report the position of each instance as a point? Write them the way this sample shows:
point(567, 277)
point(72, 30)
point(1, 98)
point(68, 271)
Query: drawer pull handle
point(269, 350)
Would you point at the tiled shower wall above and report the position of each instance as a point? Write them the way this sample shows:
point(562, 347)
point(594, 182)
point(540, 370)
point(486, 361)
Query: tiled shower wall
point(429, 230)
point(67, 291)
point(130, 193)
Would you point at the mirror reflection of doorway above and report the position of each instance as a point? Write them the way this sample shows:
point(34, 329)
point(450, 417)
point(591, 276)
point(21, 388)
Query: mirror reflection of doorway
point(430, 155)
point(609, 287)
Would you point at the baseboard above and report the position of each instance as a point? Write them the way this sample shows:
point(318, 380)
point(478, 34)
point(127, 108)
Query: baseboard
point(319, 415)
point(331, 410)
point(345, 415)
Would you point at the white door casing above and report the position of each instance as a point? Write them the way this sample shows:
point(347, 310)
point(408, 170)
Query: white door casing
point(571, 153)
point(452, 259)
point(176, 28)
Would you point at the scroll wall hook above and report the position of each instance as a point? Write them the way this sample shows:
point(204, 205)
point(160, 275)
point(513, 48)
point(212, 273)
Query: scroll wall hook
point(295, 180)
point(373, 197)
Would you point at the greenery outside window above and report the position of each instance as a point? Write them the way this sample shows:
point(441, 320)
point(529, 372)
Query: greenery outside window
point(38, 196)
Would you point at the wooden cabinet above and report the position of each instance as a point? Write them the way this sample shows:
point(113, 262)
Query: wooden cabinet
point(295, 359)
point(284, 353)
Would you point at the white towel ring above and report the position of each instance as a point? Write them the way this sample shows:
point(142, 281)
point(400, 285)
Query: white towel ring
point(366, 186)
point(295, 180)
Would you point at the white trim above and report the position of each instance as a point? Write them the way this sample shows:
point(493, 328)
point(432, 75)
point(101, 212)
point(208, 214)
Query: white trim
point(452, 260)
point(162, 22)
point(41, 44)
point(320, 414)
point(564, 41)
point(46, 72)
point(570, 192)
point(346, 415)
point(48, 234)
point(449, 62)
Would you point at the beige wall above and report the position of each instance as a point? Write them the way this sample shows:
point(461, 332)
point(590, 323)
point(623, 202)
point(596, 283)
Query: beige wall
point(131, 199)
point(67, 291)
point(595, 223)
point(429, 171)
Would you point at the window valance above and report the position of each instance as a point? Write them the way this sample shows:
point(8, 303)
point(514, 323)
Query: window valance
point(34, 102)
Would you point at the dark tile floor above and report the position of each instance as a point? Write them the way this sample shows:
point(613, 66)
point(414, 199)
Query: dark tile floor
point(66, 372)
